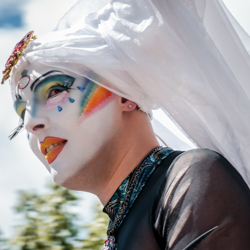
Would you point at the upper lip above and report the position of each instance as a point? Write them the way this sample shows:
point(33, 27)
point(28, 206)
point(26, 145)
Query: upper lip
point(49, 143)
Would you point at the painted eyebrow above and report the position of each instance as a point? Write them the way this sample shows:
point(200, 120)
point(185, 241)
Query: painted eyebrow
point(19, 101)
point(41, 78)
point(18, 97)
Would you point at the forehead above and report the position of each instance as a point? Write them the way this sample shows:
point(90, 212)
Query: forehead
point(36, 70)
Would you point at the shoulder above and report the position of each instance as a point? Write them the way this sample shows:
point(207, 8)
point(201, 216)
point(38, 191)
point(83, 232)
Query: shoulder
point(202, 190)
point(200, 157)
point(203, 176)
point(202, 152)
point(201, 164)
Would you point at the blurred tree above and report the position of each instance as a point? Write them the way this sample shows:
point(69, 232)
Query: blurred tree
point(96, 230)
point(49, 224)
point(3, 242)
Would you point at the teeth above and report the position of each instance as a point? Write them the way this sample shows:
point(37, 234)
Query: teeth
point(51, 147)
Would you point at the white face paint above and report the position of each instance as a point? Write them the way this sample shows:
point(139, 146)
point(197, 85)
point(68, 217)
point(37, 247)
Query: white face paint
point(68, 118)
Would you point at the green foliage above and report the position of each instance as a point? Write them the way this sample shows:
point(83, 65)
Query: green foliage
point(49, 223)
point(96, 230)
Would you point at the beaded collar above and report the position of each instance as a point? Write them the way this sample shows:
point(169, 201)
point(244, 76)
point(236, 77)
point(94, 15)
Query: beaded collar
point(114, 204)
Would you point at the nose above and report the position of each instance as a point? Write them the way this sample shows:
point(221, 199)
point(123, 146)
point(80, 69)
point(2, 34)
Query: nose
point(35, 124)
point(39, 126)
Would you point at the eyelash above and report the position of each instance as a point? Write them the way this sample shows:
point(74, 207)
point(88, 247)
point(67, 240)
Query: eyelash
point(20, 127)
point(16, 131)
point(63, 88)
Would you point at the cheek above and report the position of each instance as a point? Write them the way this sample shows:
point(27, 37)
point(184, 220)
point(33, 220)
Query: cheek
point(57, 101)
point(101, 126)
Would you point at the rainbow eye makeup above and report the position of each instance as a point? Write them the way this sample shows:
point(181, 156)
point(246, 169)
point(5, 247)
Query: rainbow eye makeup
point(53, 90)
point(20, 107)
point(94, 99)
point(56, 83)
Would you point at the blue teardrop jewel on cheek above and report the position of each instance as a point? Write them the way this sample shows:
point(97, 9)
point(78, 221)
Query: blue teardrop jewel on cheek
point(81, 88)
point(59, 108)
point(28, 136)
point(71, 100)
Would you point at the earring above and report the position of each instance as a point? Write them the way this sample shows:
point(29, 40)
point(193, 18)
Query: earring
point(130, 106)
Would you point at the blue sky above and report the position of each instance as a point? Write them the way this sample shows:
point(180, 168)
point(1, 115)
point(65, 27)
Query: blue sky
point(19, 167)
point(11, 14)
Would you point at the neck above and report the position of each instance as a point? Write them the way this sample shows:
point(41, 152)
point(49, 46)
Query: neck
point(130, 151)
point(116, 160)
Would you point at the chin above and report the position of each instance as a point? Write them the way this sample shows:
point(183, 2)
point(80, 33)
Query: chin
point(60, 178)
point(64, 179)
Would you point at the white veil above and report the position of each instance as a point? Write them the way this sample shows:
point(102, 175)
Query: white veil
point(188, 57)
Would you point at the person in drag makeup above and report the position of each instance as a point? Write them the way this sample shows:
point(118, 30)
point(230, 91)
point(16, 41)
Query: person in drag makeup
point(85, 94)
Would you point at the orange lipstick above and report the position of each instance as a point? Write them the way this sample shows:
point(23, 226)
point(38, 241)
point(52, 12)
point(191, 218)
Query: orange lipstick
point(51, 147)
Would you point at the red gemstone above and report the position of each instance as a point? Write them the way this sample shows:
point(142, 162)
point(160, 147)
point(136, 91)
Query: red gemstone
point(27, 36)
point(17, 47)
point(8, 62)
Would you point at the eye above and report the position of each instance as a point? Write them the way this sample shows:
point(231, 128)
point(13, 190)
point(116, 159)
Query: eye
point(20, 108)
point(23, 114)
point(54, 92)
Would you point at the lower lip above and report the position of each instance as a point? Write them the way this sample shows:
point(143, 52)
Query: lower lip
point(53, 153)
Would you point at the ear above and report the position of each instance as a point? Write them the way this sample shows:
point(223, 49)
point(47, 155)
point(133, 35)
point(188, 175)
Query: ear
point(127, 105)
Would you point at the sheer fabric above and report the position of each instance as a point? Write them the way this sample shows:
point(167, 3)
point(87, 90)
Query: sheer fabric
point(188, 57)
point(197, 202)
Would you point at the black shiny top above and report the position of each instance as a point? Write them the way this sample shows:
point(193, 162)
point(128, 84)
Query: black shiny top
point(195, 200)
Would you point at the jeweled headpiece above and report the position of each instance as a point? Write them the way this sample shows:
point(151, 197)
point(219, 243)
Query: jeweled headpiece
point(16, 53)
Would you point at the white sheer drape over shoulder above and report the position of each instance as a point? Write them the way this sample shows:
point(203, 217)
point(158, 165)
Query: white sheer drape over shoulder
point(188, 57)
